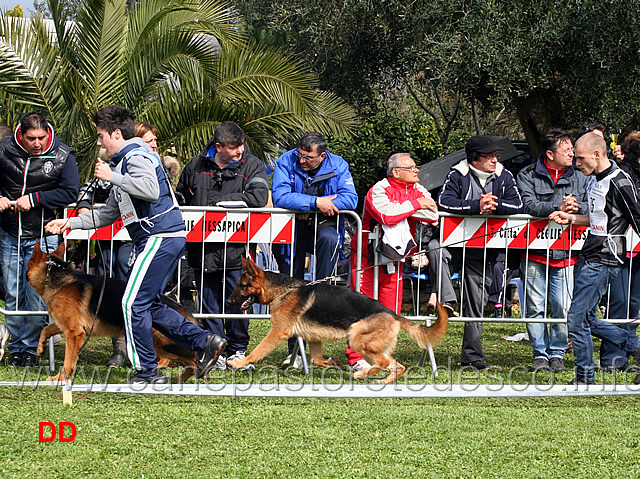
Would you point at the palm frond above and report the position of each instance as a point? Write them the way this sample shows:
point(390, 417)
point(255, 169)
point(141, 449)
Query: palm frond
point(29, 64)
point(100, 43)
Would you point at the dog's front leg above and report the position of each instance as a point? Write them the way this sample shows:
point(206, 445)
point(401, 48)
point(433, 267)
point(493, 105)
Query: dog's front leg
point(48, 331)
point(72, 345)
point(273, 338)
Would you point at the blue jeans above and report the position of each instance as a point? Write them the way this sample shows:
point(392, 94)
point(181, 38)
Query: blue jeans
point(326, 245)
point(19, 295)
point(548, 342)
point(591, 283)
point(622, 306)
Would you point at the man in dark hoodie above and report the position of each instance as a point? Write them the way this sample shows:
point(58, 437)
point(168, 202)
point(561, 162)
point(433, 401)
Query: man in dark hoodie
point(39, 177)
point(478, 185)
point(225, 171)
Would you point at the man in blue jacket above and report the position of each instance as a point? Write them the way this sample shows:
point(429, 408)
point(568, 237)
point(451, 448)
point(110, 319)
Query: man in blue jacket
point(311, 179)
point(478, 185)
point(40, 176)
point(551, 184)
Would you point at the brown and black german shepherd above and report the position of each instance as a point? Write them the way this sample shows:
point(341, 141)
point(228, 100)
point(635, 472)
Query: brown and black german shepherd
point(72, 297)
point(323, 312)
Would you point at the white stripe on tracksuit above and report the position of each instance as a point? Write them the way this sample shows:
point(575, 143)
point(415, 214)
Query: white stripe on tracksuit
point(136, 275)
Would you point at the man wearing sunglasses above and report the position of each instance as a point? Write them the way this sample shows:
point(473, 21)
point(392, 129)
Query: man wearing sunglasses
point(310, 179)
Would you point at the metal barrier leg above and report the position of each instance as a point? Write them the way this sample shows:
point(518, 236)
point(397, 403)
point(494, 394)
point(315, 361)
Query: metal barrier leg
point(432, 357)
point(52, 362)
point(432, 360)
point(299, 346)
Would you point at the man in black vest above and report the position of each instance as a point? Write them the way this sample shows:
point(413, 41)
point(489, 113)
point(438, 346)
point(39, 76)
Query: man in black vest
point(225, 171)
point(39, 177)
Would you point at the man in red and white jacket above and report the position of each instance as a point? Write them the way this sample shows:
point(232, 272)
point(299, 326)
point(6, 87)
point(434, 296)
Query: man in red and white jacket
point(396, 203)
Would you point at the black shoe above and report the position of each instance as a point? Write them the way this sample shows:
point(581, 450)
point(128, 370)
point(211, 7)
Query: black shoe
point(30, 360)
point(117, 358)
point(540, 364)
point(636, 355)
point(452, 305)
point(557, 365)
point(580, 380)
point(477, 365)
point(625, 368)
point(157, 378)
point(208, 355)
point(15, 359)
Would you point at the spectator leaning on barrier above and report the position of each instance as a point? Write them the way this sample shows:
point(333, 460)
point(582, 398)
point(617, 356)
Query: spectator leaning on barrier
point(613, 207)
point(396, 203)
point(225, 171)
point(311, 179)
point(478, 185)
point(142, 197)
point(5, 131)
point(551, 184)
point(40, 174)
point(624, 300)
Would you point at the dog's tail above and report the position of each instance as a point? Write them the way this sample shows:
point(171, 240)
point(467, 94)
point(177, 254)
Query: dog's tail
point(432, 335)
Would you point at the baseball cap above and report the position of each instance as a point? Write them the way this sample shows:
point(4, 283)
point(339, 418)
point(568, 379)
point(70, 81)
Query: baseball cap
point(481, 144)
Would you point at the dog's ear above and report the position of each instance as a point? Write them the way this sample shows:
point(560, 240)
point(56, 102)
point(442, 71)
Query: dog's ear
point(250, 267)
point(36, 249)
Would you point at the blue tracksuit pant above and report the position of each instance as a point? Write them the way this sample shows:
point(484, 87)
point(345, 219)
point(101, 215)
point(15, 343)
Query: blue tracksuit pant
point(156, 259)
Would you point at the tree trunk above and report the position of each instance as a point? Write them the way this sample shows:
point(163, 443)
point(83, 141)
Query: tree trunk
point(539, 112)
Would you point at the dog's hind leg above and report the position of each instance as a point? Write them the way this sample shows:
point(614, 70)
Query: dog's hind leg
point(189, 370)
point(48, 331)
point(395, 371)
point(315, 350)
point(381, 361)
point(273, 338)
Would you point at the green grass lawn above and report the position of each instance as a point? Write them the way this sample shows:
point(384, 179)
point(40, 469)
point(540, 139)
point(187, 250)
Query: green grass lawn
point(125, 435)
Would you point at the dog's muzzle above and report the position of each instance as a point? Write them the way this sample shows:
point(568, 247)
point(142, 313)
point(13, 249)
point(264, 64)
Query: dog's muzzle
point(248, 301)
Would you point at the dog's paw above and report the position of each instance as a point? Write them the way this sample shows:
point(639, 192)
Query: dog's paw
point(57, 378)
point(363, 373)
point(238, 364)
point(328, 363)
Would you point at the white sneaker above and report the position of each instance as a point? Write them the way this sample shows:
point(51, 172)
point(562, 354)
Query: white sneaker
point(221, 363)
point(297, 364)
point(57, 339)
point(360, 365)
point(239, 355)
point(4, 337)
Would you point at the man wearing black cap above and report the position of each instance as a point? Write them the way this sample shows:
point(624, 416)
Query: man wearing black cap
point(478, 185)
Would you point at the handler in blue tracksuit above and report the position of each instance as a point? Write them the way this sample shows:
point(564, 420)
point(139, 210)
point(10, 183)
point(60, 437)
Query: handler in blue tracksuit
point(141, 195)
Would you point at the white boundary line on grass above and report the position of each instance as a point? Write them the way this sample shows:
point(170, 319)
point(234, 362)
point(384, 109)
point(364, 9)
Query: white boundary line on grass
point(368, 391)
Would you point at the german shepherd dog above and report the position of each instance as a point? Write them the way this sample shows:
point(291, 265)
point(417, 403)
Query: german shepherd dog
point(72, 297)
point(323, 312)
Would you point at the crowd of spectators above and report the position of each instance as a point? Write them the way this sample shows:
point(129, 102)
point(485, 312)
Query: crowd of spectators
point(579, 185)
